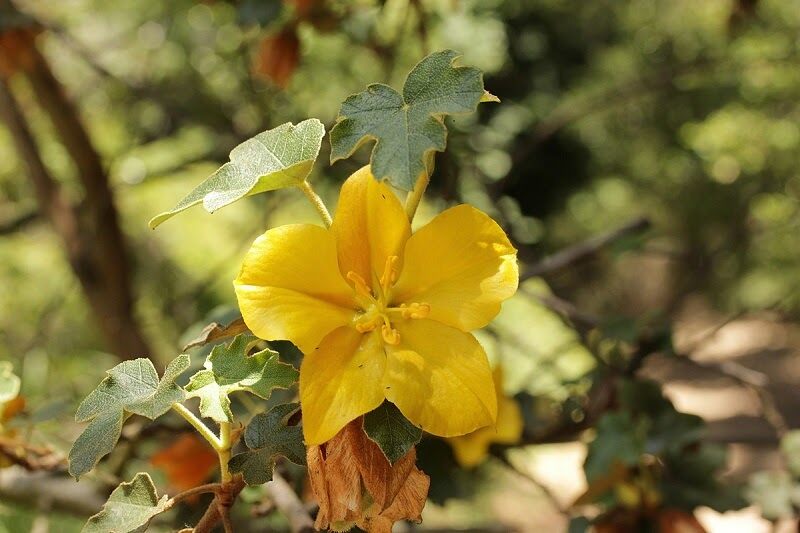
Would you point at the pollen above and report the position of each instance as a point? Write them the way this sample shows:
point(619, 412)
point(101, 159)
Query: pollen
point(375, 310)
point(415, 310)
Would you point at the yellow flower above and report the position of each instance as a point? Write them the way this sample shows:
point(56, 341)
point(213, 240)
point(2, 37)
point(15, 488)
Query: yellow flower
point(470, 450)
point(383, 314)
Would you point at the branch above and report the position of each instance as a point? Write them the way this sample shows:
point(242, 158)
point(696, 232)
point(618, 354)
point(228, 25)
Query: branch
point(581, 251)
point(14, 224)
point(503, 458)
point(285, 499)
point(220, 506)
point(63, 494)
point(94, 243)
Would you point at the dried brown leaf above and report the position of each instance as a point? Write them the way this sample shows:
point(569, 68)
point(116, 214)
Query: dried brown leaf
point(187, 462)
point(278, 56)
point(214, 332)
point(355, 483)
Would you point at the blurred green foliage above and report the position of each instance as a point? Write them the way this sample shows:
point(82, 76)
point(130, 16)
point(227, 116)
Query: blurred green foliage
point(678, 110)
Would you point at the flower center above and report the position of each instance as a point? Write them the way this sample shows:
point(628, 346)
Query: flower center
point(374, 305)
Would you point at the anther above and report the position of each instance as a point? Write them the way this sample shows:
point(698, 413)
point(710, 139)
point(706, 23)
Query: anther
point(364, 326)
point(390, 335)
point(359, 284)
point(389, 272)
point(415, 310)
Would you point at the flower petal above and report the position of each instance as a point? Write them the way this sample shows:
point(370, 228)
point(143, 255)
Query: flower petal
point(340, 381)
point(289, 286)
point(470, 450)
point(370, 225)
point(439, 378)
point(461, 264)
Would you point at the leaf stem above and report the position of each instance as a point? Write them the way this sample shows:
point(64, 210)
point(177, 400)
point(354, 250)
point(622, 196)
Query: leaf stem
point(201, 428)
point(319, 205)
point(224, 451)
point(415, 196)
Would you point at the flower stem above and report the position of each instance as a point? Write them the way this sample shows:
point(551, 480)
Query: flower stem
point(415, 196)
point(201, 428)
point(319, 205)
point(224, 451)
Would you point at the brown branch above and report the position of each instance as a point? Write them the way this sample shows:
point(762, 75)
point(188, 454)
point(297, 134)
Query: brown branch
point(220, 507)
point(14, 224)
point(581, 251)
point(202, 489)
point(551, 497)
point(94, 243)
point(285, 499)
point(62, 493)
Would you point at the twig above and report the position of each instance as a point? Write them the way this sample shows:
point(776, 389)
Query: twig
point(503, 458)
point(202, 489)
point(225, 498)
point(578, 252)
point(18, 222)
point(63, 494)
point(754, 381)
point(582, 320)
point(285, 499)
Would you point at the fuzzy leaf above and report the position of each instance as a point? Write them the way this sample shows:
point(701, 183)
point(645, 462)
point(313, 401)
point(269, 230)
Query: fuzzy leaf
point(407, 128)
point(273, 159)
point(131, 387)
point(775, 492)
point(229, 369)
point(790, 446)
point(617, 441)
point(390, 430)
point(268, 436)
point(129, 509)
point(9, 382)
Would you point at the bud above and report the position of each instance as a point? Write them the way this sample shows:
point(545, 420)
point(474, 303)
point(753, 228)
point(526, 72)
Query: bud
point(357, 485)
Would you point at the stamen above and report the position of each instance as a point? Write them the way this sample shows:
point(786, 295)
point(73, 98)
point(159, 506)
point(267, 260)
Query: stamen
point(360, 286)
point(389, 276)
point(390, 335)
point(415, 310)
point(364, 326)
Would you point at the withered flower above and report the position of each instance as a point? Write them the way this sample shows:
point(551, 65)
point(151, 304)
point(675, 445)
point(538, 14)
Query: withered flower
point(357, 485)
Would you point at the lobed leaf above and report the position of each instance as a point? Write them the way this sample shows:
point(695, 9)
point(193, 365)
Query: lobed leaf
point(391, 431)
point(129, 509)
point(407, 128)
point(268, 435)
point(617, 441)
point(229, 369)
point(9, 382)
point(274, 159)
point(131, 387)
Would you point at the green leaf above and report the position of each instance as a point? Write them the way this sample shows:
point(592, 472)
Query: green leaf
point(617, 440)
point(131, 387)
point(267, 436)
point(775, 492)
point(407, 128)
point(129, 509)
point(274, 159)
point(790, 446)
point(9, 382)
point(390, 430)
point(229, 369)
